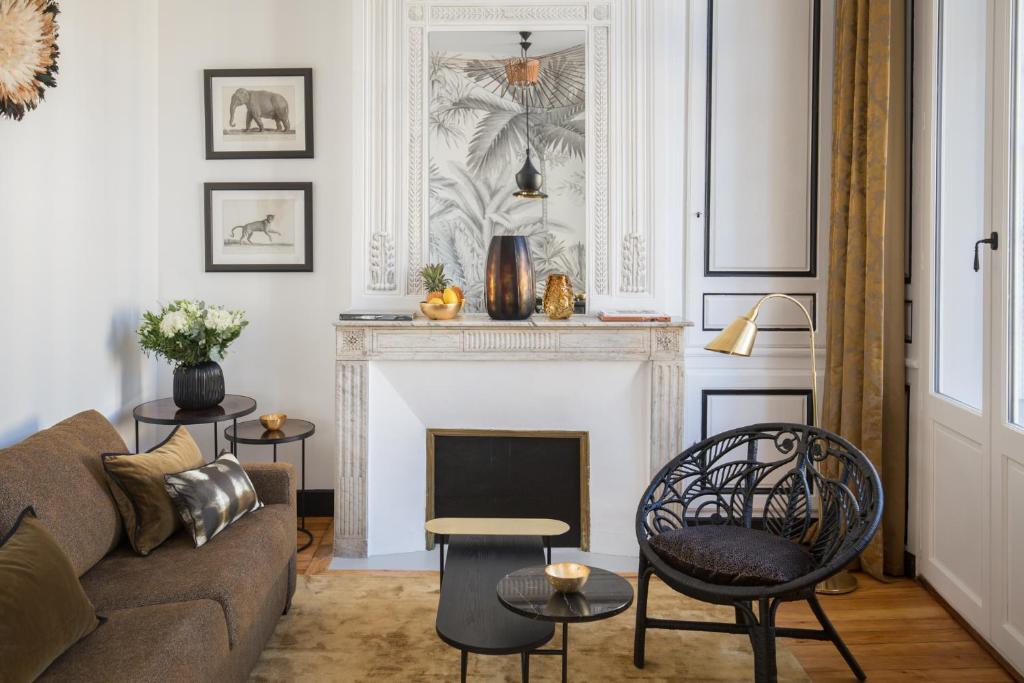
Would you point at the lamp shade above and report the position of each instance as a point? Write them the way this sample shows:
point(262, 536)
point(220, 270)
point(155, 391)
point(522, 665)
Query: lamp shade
point(737, 339)
point(529, 181)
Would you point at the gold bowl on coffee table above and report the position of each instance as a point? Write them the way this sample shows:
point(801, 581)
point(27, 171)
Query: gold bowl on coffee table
point(567, 577)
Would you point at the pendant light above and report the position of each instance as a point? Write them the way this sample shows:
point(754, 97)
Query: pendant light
point(524, 74)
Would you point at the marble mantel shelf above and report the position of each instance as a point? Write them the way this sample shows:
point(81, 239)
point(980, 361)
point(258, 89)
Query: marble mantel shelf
point(477, 337)
point(659, 345)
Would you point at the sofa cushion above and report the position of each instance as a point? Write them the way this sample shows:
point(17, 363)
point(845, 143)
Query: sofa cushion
point(725, 554)
point(43, 609)
point(58, 472)
point(177, 641)
point(212, 497)
point(137, 482)
point(237, 569)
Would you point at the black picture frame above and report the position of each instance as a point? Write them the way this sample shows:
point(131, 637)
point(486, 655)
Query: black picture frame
point(305, 267)
point(307, 80)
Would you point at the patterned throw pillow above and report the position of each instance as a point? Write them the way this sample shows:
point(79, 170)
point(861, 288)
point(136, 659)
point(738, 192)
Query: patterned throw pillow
point(210, 498)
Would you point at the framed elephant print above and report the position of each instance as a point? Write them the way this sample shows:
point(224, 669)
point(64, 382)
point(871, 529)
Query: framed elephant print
point(259, 113)
point(259, 227)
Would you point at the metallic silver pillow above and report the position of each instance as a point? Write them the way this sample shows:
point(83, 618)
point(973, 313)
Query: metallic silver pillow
point(210, 498)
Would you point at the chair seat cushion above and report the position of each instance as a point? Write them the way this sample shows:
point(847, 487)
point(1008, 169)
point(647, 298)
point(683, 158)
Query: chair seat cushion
point(732, 555)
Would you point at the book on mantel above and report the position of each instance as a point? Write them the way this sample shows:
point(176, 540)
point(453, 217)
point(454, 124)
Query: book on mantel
point(370, 316)
point(633, 316)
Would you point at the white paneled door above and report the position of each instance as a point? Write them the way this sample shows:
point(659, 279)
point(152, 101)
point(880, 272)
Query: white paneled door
point(969, 210)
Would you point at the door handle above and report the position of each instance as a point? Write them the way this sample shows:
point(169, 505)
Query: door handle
point(993, 240)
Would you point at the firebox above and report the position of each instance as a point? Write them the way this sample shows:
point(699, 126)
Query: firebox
point(498, 473)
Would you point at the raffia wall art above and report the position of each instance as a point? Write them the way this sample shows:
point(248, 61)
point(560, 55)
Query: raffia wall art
point(28, 54)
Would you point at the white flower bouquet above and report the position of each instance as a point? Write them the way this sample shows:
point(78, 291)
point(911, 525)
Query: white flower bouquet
point(188, 332)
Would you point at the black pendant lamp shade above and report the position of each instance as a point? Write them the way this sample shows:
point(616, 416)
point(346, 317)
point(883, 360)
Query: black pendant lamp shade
point(529, 179)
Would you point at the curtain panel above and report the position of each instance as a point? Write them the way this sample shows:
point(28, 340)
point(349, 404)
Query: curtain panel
point(864, 397)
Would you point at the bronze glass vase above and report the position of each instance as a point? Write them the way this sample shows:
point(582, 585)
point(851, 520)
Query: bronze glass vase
point(509, 290)
point(558, 297)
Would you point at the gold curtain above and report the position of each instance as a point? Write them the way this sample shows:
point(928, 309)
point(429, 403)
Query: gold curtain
point(865, 377)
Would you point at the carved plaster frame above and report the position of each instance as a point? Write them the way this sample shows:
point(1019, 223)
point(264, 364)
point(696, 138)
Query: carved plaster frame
point(394, 219)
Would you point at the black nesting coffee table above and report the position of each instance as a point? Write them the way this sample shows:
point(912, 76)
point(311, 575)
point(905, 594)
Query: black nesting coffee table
point(164, 412)
point(253, 432)
point(527, 592)
point(482, 550)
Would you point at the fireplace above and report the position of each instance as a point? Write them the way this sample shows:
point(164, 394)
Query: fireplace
point(501, 473)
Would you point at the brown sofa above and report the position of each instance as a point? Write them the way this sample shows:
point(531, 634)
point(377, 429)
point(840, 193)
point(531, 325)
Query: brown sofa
point(181, 613)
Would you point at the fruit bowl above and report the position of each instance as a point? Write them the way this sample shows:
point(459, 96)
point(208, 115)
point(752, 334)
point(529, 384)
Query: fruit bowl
point(567, 577)
point(440, 311)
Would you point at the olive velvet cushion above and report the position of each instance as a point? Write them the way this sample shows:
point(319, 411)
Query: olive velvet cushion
point(43, 609)
point(137, 483)
point(210, 498)
point(732, 555)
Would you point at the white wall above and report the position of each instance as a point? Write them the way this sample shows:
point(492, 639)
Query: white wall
point(78, 225)
point(284, 359)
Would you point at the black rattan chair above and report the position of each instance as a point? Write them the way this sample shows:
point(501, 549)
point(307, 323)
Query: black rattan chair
point(702, 527)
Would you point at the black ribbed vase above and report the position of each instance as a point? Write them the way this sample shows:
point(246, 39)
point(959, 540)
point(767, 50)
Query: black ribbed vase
point(509, 287)
point(198, 386)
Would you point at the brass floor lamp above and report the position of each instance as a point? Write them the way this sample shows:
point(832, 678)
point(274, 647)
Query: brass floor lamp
point(738, 340)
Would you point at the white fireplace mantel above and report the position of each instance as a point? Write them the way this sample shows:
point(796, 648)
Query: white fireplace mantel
point(478, 338)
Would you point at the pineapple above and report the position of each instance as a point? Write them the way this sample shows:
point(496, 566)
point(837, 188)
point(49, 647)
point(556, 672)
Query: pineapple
point(434, 280)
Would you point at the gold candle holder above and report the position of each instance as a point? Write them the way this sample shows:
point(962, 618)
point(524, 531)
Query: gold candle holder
point(558, 297)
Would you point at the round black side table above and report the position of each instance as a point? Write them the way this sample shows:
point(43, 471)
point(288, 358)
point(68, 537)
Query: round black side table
point(254, 433)
point(164, 412)
point(528, 593)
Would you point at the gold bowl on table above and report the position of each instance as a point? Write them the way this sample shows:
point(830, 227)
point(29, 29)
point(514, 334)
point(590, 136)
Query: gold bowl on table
point(440, 311)
point(567, 577)
point(273, 421)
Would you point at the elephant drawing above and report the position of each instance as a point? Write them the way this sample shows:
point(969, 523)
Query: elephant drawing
point(259, 105)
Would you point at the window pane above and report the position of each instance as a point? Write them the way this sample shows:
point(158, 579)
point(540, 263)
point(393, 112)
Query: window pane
point(1016, 237)
point(960, 210)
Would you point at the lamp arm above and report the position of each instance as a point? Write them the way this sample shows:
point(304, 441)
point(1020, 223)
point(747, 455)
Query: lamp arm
point(752, 315)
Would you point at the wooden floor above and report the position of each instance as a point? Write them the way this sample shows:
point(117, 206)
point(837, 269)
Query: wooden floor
point(897, 630)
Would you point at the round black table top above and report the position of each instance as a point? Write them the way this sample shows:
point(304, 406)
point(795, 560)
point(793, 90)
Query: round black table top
point(164, 412)
point(527, 592)
point(251, 431)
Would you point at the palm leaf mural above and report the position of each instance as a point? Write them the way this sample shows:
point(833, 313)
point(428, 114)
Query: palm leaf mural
point(478, 138)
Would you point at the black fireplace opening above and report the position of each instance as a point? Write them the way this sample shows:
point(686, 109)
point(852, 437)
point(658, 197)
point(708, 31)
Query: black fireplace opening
point(511, 474)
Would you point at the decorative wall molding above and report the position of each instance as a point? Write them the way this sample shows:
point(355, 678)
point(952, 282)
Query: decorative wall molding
point(706, 394)
point(416, 154)
point(394, 119)
point(382, 262)
point(809, 299)
point(463, 14)
point(634, 264)
point(599, 154)
point(811, 239)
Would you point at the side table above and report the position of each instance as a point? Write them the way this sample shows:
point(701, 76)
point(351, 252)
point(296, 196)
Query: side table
point(254, 433)
point(164, 412)
point(527, 592)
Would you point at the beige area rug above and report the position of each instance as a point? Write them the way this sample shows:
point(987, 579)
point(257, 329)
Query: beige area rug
point(379, 626)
